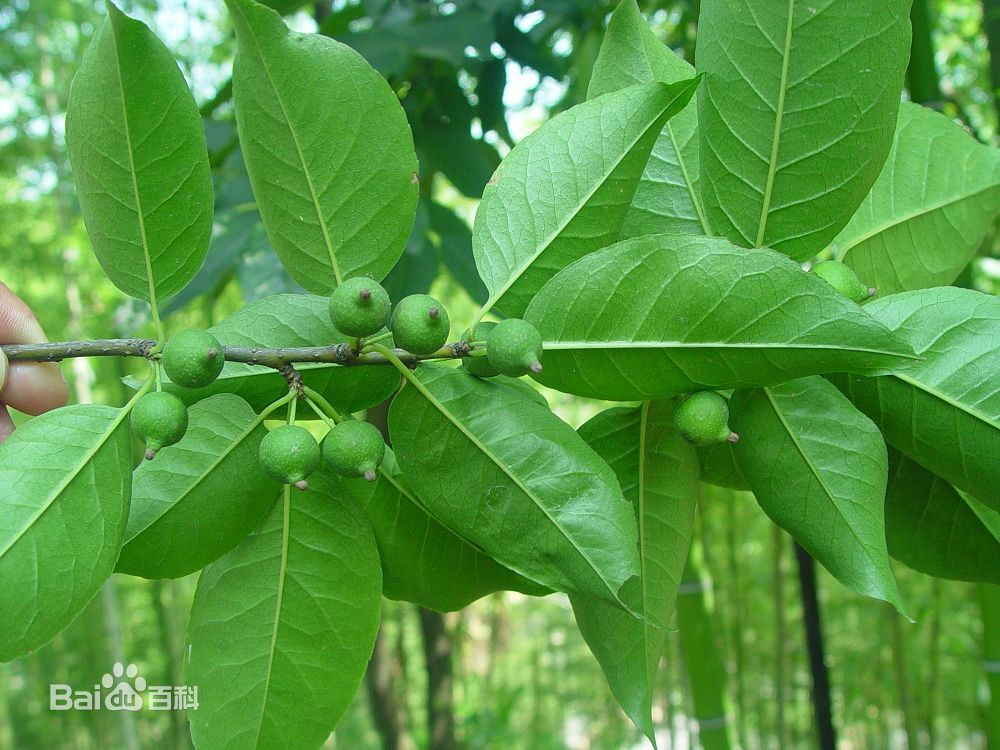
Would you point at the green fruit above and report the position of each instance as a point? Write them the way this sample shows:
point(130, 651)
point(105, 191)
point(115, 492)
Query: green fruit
point(844, 280)
point(354, 449)
point(359, 307)
point(158, 420)
point(193, 358)
point(288, 454)
point(702, 419)
point(419, 324)
point(514, 348)
point(479, 366)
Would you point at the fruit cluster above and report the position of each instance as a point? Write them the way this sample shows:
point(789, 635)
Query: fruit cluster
point(360, 308)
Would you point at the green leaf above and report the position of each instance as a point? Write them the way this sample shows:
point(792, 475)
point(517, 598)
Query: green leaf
point(657, 316)
point(67, 477)
point(328, 149)
point(283, 626)
point(818, 468)
point(943, 411)
point(137, 147)
point(201, 497)
point(422, 561)
point(928, 211)
point(797, 114)
point(667, 199)
point(288, 320)
point(658, 473)
point(719, 467)
point(933, 528)
point(503, 471)
point(546, 206)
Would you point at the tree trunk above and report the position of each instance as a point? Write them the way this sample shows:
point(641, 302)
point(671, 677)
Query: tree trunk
point(440, 706)
point(703, 659)
point(989, 603)
point(381, 698)
point(902, 679)
point(173, 674)
point(780, 634)
point(812, 622)
point(112, 618)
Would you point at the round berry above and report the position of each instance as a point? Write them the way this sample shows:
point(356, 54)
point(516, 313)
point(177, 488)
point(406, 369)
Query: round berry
point(480, 365)
point(158, 420)
point(288, 454)
point(844, 280)
point(514, 348)
point(703, 419)
point(354, 449)
point(419, 324)
point(193, 358)
point(359, 307)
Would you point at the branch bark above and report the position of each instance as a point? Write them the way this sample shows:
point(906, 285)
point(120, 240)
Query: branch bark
point(338, 354)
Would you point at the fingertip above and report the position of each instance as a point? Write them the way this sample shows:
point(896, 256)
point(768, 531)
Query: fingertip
point(6, 423)
point(18, 324)
point(35, 387)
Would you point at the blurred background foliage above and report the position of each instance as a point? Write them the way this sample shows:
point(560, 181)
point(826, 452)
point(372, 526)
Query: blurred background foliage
point(475, 76)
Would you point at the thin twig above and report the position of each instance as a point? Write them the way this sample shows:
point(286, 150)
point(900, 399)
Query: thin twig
point(338, 354)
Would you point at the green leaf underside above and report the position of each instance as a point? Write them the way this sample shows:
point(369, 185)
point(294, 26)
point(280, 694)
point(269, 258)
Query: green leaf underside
point(67, 481)
point(282, 627)
point(290, 320)
point(546, 206)
point(198, 499)
point(658, 473)
point(928, 211)
point(423, 561)
point(933, 528)
point(137, 146)
point(788, 150)
point(531, 493)
point(328, 150)
point(657, 316)
point(943, 411)
point(817, 466)
point(719, 467)
point(667, 198)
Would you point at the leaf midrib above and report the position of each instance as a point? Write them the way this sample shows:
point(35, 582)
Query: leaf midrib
point(598, 345)
point(886, 226)
point(282, 572)
point(772, 167)
point(295, 140)
point(202, 476)
point(61, 487)
point(554, 235)
point(647, 652)
point(695, 200)
point(938, 394)
point(433, 400)
point(819, 479)
point(134, 177)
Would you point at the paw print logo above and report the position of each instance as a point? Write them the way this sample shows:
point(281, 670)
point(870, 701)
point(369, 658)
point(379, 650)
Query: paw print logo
point(125, 695)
